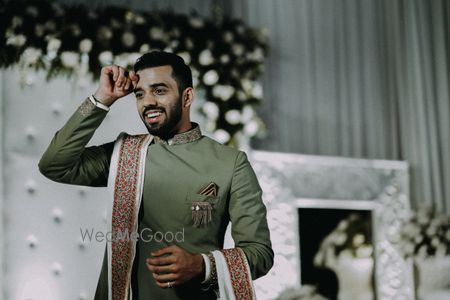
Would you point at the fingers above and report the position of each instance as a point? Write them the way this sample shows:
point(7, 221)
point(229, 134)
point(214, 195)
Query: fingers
point(163, 278)
point(166, 250)
point(166, 284)
point(161, 261)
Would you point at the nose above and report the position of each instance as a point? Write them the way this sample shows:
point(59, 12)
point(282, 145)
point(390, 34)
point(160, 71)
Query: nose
point(150, 100)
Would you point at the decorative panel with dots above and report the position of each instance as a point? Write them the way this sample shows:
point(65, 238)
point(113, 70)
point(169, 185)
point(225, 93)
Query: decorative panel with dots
point(44, 254)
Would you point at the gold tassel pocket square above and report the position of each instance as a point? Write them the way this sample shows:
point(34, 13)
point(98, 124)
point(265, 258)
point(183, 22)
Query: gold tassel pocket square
point(201, 213)
point(202, 210)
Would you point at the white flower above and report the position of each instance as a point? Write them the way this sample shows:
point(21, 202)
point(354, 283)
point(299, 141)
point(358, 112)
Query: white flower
point(16, 21)
point(319, 259)
point(418, 239)
point(431, 231)
point(241, 96)
point(195, 76)
point(174, 44)
point(221, 136)
point(343, 225)
point(253, 88)
point(139, 19)
point(53, 45)
point(233, 116)
point(39, 30)
point(339, 238)
point(256, 55)
point(132, 58)
point(31, 55)
point(50, 25)
point(144, 48)
point(205, 58)
point(156, 33)
point(247, 113)
point(128, 39)
point(422, 251)
point(121, 60)
point(32, 11)
point(211, 110)
point(189, 43)
point(228, 36)
point(69, 59)
point(211, 77)
point(257, 90)
point(223, 92)
point(129, 16)
point(16, 40)
point(196, 22)
point(76, 30)
point(210, 126)
point(422, 217)
point(364, 251)
point(224, 59)
point(105, 58)
point(447, 235)
point(251, 128)
point(358, 240)
point(104, 33)
point(408, 249)
point(85, 45)
point(186, 57)
point(435, 242)
point(238, 49)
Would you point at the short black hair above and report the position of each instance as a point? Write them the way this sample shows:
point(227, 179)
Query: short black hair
point(180, 71)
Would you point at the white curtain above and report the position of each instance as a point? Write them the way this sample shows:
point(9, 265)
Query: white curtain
point(360, 78)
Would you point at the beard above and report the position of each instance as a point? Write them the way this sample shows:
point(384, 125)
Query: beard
point(167, 128)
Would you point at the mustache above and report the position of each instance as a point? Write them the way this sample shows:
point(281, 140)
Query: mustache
point(162, 109)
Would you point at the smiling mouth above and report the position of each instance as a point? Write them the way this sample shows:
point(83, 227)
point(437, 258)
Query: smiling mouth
point(153, 116)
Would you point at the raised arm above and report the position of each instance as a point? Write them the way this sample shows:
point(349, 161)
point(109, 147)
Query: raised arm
point(67, 159)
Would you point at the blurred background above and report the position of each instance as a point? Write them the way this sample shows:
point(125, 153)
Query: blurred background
point(366, 80)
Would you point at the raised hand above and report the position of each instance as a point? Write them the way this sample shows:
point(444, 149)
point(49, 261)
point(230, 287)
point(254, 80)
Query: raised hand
point(173, 265)
point(115, 82)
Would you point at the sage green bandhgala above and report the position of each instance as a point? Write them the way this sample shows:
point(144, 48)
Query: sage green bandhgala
point(175, 172)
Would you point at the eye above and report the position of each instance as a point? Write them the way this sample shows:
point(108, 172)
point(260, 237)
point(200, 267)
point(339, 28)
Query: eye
point(138, 95)
point(160, 91)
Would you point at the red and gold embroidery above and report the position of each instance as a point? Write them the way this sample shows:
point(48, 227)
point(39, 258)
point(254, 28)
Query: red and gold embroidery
point(124, 214)
point(239, 275)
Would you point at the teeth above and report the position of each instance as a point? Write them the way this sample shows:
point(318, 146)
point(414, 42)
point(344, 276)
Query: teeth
point(153, 114)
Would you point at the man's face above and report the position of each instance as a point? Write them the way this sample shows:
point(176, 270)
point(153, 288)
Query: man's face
point(159, 102)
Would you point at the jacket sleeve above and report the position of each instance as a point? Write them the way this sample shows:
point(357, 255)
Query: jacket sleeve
point(248, 218)
point(68, 160)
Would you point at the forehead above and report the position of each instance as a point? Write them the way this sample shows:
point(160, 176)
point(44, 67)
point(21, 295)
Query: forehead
point(162, 74)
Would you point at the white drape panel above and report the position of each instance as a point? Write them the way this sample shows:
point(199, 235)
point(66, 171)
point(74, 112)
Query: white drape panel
point(360, 78)
point(416, 35)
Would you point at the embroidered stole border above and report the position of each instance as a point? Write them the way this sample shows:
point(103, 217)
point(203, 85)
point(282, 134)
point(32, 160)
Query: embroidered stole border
point(239, 270)
point(125, 208)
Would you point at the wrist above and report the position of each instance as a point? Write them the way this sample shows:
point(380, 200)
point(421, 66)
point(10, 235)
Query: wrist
point(103, 99)
point(200, 263)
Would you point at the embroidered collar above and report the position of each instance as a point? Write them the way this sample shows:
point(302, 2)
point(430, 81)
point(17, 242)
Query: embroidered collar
point(182, 138)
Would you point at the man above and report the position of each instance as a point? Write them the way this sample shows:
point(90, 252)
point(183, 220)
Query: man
point(173, 182)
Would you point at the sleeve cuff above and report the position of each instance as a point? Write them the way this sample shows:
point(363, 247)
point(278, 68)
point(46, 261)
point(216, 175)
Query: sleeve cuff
point(207, 268)
point(98, 104)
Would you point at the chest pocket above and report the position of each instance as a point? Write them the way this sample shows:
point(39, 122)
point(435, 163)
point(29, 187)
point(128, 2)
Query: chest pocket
point(203, 209)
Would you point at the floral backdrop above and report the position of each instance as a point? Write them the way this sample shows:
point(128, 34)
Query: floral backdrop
point(225, 55)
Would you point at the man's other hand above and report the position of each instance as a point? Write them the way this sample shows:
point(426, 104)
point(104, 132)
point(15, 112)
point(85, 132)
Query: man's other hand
point(173, 265)
point(115, 82)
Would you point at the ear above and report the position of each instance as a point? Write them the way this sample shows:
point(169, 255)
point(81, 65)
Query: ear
point(188, 97)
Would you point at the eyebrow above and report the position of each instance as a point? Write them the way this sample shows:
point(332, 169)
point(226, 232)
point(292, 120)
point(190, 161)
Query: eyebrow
point(153, 86)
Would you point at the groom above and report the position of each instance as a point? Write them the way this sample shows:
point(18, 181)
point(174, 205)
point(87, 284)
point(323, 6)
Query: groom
point(171, 180)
